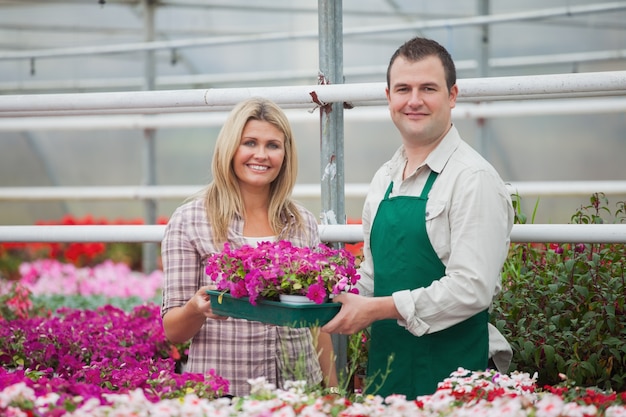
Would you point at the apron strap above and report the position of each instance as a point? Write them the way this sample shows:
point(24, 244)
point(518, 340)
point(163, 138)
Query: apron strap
point(388, 190)
point(429, 183)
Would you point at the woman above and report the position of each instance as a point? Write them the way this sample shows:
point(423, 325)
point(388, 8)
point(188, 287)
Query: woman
point(254, 171)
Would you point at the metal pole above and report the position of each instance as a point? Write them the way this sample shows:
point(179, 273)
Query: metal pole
point(331, 133)
point(331, 114)
point(482, 124)
point(149, 253)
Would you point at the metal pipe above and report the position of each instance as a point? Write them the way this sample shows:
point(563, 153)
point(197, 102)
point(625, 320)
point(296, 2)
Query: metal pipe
point(297, 75)
point(301, 191)
point(331, 133)
point(348, 233)
point(482, 125)
point(331, 114)
point(472, 89)
point(419, 25)
point(150, 250)
point(359, 114)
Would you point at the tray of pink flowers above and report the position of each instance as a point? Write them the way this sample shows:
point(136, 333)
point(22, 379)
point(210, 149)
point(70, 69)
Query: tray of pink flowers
point(254, 282)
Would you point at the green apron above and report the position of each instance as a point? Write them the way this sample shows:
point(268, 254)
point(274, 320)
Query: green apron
point(404, 259)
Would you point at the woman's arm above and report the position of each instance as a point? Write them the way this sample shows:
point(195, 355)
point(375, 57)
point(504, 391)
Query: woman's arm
point(182, 323)
point(185, 307)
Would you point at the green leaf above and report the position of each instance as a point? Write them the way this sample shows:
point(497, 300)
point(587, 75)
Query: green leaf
point(549, 352)
point(584, 291)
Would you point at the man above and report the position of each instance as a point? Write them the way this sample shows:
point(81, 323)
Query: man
point(437, 222)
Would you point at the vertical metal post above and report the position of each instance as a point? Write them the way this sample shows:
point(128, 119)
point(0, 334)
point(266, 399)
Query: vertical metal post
point(331, 131)
point(149, 260)
point(331, 114)
point(482, 124)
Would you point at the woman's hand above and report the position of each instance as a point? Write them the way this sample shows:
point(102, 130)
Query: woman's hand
point(182, 323)
point(202, 303)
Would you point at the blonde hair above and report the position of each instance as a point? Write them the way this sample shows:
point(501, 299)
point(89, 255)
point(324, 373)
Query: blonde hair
point(223, 200)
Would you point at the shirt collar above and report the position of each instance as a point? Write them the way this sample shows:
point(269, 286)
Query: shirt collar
point(436, 160)
point(440, 156)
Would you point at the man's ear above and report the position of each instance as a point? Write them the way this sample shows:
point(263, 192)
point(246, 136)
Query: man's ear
point(454, 92)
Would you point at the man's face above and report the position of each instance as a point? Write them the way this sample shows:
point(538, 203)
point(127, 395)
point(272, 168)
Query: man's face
point(419, 101)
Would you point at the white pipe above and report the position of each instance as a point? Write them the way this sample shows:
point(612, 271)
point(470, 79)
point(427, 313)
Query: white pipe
point(354, 190)
point(480, 20)
point(569, 233)
point(572, 106)
point(526, 233)
point(347, 33)
point(17, 194)
point(566, 58)
point(293, 75)
point(359, 114)
point(566, 188)
point(473, 89)
point(200, 98)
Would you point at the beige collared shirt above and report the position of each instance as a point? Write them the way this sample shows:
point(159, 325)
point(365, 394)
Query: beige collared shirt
point(469, 218)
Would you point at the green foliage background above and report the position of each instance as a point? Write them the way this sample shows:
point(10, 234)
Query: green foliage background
point(562, 306)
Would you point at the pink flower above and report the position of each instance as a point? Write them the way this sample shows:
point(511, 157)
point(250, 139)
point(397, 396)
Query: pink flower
point(274, 268)
point(316, 293)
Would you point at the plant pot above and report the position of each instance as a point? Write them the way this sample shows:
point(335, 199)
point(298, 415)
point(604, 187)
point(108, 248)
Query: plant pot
point(294, 299)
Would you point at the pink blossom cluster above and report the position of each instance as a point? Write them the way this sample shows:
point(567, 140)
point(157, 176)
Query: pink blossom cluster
point(52, 365)
point(16, 298)
point(110, 279)
point(274, 268)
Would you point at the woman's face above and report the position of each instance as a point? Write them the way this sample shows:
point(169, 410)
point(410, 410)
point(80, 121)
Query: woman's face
point(260, 155)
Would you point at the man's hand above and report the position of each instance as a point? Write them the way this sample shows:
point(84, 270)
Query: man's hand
point(358, 312)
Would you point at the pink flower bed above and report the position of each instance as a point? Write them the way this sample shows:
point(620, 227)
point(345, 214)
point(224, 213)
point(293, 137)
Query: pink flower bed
point(48, 276)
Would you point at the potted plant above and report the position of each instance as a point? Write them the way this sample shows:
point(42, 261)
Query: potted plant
point(274, 268)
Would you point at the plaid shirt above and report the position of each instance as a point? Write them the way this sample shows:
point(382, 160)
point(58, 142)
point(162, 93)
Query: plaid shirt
point(237, 349)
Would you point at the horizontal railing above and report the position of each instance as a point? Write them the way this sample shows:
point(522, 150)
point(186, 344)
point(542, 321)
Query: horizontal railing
point(550, 86)
point(301, 191)
point(351, 233)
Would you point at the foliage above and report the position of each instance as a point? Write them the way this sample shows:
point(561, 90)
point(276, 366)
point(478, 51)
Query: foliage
point(54, 302)
point(562, 306)
point(358, 349)
point(274, 268)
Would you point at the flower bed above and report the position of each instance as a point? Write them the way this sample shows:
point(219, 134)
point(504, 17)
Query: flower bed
point(108, 362)
point(75, 358)
point(463, 394)
point(48, 277)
